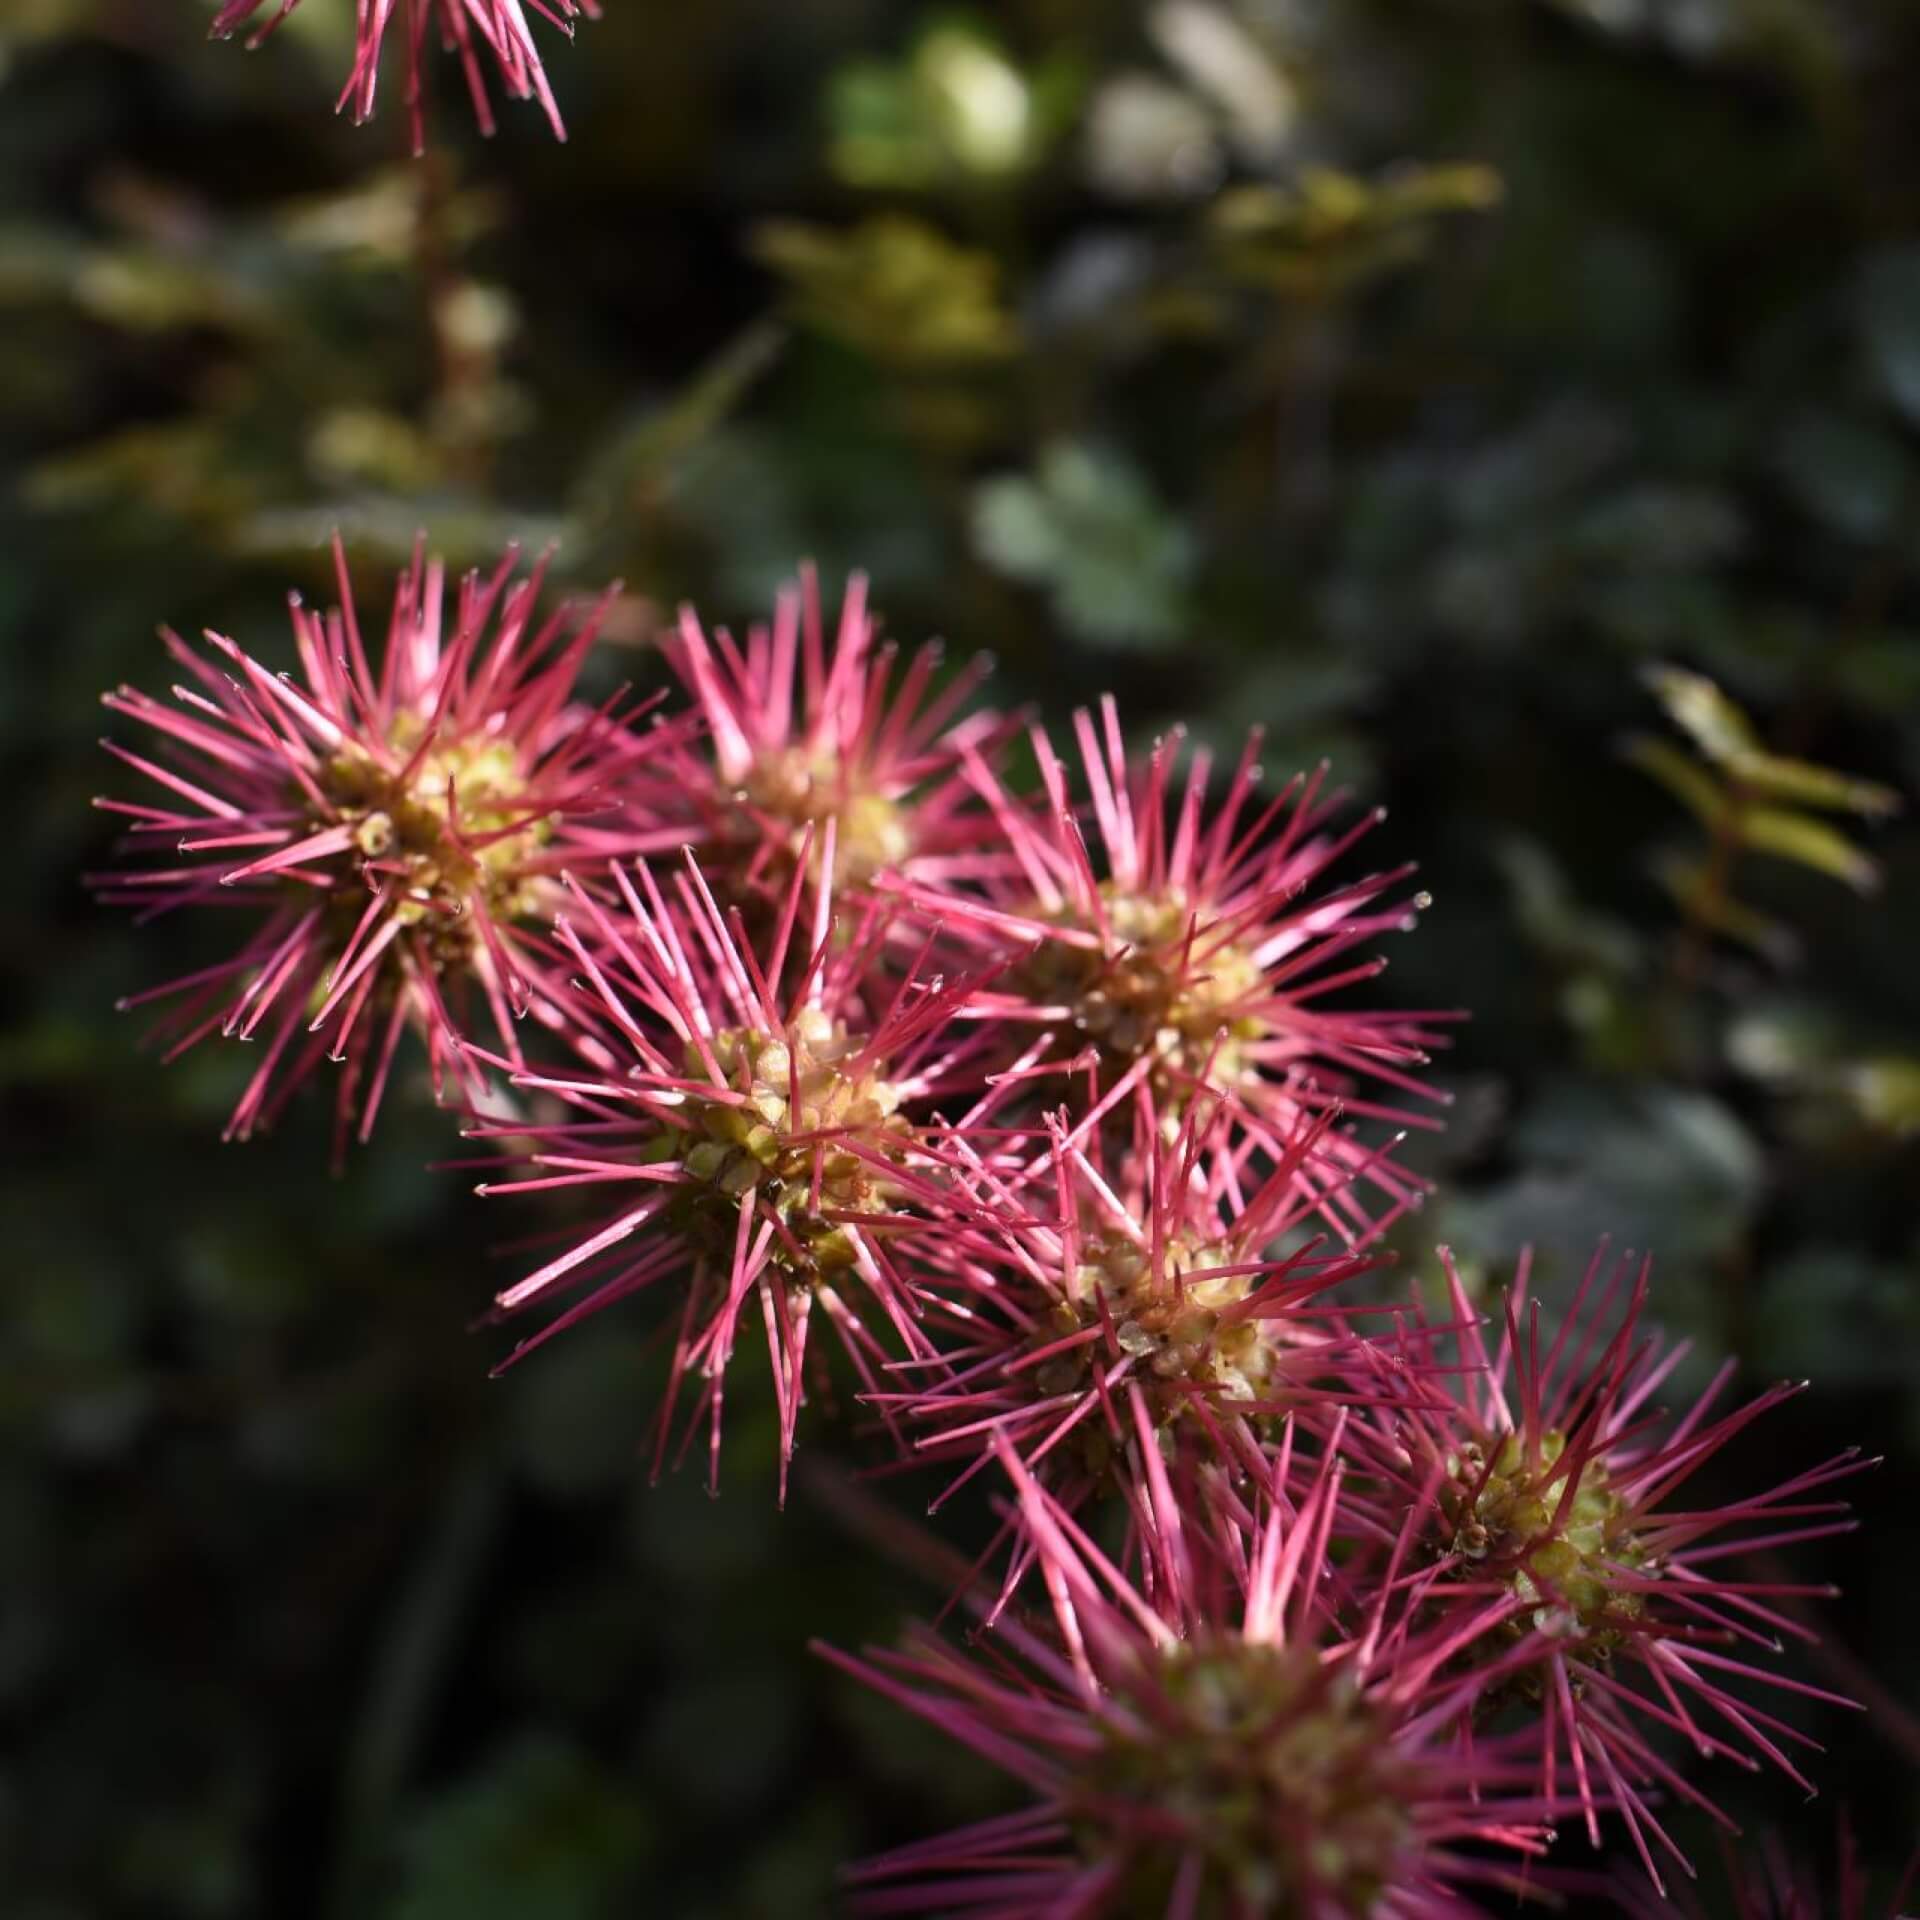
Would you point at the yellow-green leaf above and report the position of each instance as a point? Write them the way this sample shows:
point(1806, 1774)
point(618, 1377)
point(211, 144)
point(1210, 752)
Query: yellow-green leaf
point(1887, 1092)
point(1689, 783)
point(1332, 230)
point(894, 287)
point(1718, 727)
point(1808, 842)
point(1725, 915)
point(1722, 731)
point(1812, 786)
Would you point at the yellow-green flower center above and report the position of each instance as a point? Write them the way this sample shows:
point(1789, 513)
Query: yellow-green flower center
point(1177, 1322)
point(803, 790)
point(789, 1147)
point(1151, 991)
point(405, 831)
point(1563, 1564)
point(1171, 1320)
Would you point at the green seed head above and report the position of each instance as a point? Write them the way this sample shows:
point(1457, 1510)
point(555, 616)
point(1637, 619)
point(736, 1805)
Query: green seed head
point(1563, 1564)
point(766, 1149)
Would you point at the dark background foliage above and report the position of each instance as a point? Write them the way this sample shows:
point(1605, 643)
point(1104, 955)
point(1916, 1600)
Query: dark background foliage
point(1404, 376)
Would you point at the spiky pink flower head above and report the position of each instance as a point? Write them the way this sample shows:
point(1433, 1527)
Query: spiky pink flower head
point(1196, 954)
point(1102, 1326)
point(1553, 1477)
point(1226, 1747)
point(481, 33)
point(768, 1134)
point(390, 835)
point(801, 735)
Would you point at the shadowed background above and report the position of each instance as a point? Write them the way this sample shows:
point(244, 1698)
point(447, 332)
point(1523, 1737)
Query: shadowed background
point(1404, 377)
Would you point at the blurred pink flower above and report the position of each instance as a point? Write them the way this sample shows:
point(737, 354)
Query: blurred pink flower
point(1769, 1881)
point(479, 32)
point(1551, 1478)
point(1216, 1743)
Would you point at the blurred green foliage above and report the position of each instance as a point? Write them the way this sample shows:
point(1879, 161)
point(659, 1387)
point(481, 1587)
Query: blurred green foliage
point(1411, 380)
point(1086, 526)
point(1747, 800)
point(954, 110)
